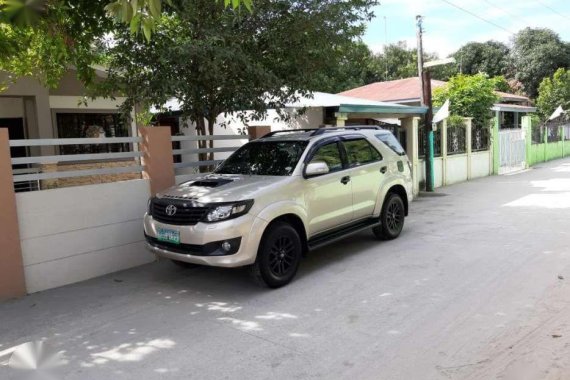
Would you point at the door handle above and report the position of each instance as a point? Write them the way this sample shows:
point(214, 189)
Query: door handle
point(383, 169)
point(344, 180)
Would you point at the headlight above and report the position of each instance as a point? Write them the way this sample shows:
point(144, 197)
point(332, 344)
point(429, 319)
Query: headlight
point(149, 206)
point(228, 210)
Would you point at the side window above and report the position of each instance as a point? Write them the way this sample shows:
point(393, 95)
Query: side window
point(329, 154)
point(361, 152)
point(390, 140)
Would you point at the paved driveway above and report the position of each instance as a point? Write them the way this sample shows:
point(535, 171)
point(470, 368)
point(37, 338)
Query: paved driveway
point(475, 288)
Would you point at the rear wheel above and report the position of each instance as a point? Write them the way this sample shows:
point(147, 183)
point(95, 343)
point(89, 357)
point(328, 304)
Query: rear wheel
point(278, 257)
point(391, 218)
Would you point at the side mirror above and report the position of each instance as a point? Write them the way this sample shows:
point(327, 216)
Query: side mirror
point(316, 168)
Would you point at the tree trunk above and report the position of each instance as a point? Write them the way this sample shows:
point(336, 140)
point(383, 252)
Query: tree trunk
point(201, 131)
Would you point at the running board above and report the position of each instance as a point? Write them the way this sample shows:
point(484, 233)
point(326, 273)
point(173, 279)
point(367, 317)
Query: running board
point(330, 237)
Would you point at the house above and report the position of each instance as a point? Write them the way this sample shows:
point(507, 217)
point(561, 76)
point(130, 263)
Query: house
point(29, 110)
point(509, 109)
point(316, 110)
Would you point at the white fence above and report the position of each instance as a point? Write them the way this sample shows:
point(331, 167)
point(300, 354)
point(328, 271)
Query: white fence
point(512, 150)
point(76, 233)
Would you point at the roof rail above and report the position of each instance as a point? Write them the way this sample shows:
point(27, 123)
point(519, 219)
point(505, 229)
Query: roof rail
point(320, 131)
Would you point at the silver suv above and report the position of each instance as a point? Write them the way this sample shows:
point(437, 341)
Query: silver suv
point(282, 195)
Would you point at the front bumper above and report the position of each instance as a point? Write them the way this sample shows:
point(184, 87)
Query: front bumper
point(195, 239)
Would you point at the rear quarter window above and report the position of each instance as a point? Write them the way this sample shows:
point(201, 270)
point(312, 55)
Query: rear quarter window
point(392, 142)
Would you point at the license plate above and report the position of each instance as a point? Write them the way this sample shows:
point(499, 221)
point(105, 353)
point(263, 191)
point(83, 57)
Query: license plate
point(169, 236)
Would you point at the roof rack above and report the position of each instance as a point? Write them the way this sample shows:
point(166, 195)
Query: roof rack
point(322, 130)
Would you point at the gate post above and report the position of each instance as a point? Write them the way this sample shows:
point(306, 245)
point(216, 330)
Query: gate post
point(469, 146)
point(495, 143)
point(443, 142)
point(12, 280)
point(526, 123)
point(156, 146)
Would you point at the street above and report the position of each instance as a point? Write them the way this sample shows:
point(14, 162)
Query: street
point(476, 287)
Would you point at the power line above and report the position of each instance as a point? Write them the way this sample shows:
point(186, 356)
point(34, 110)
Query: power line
point(552, 9)
point(477, 16)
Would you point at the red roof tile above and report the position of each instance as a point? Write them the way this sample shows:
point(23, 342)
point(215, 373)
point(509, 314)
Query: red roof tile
point(401, 90)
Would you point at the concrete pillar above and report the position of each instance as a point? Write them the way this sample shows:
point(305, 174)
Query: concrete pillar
point(258, 131)
point(526, 125)
point(341, 119)
point(411, 125)
point(444, 152)
point(12, 280)
point(157, 158)
point(495, 143)
point(468, 139)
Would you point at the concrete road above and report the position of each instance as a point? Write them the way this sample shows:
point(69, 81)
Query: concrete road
point(476, 287)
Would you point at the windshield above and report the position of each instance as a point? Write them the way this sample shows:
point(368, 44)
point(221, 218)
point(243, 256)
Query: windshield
point(264, 158)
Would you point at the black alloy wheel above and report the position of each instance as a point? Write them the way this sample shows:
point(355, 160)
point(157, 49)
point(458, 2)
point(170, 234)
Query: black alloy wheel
point(391, 218)
point(278, 256)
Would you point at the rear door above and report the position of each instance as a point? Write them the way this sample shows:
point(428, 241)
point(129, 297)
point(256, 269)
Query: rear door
point(366, 171)
point(329, 196)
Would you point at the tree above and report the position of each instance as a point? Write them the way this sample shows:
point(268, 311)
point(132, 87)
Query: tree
point(483, 57)
point(537, 54)
point(554, 92)
point(469, 96)
point(397, 61)
point(214, 60)
point(42, 38)
point(355, 68)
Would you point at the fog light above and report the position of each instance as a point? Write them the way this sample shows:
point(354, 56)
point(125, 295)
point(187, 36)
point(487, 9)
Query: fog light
point(226, 246)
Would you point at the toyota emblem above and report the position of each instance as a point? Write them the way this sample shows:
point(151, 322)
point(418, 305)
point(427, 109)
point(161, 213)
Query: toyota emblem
point(170, 210)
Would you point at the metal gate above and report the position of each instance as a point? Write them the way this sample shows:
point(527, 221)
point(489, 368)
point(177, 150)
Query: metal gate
point(512, 150)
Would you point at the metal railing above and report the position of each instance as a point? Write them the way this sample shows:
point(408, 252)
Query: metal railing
point(33, 172)
point(456, 140)
point(479, 138)
point(197, 150)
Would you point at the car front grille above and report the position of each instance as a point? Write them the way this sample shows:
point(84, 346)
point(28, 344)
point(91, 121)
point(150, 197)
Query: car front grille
point(187, 213)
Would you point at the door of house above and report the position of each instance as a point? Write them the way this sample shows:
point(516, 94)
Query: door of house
point(512, 150)
point(15, 127)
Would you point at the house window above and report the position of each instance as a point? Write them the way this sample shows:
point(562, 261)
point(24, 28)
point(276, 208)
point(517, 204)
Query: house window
point(91, 125)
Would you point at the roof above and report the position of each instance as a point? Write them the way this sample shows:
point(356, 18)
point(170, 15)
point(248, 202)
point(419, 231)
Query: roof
point(407, 90)
point(512, 108)
point(345, 104)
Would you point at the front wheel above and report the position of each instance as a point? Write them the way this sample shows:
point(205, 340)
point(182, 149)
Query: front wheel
point(391, 218)
point(278, 257)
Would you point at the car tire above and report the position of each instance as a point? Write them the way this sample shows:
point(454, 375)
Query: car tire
point(391, 218)
point(184, 264)
point(278, 257)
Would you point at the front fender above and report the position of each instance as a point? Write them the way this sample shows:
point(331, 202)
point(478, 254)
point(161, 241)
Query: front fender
point(277, 209)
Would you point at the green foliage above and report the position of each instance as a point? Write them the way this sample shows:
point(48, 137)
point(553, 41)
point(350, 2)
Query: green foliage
point(44, 47)
point(356, 67)
point(537, 54)
point(554, 92)
point(398, 61)
point(501, 84)
point(483, 57)
point(469, 96)
point(455, 121)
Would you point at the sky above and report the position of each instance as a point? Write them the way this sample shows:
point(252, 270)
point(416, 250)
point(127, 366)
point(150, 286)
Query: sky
point(447, 28)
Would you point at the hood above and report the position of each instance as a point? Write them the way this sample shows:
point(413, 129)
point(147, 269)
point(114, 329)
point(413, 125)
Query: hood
point(222, 187)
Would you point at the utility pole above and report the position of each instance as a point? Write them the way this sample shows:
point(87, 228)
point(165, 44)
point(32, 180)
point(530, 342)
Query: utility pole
point(425, 81)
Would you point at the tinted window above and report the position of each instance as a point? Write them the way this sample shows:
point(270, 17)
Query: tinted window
point(360, 152)
point(390, 140)
point(264, 158)
point(329, 154)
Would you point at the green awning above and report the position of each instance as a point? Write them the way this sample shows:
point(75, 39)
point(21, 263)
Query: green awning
point(382, 109)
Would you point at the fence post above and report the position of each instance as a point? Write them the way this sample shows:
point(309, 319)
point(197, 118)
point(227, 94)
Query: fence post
point(526, 123)
point(495, 143)
point(12, 279)
point(156, 146)
point(258, 131)
point(443, 142)
point(468, 138)
point(562, 137)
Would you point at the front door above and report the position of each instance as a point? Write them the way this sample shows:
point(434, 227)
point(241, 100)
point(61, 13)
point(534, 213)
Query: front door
point(15, 126)
point(329, 196)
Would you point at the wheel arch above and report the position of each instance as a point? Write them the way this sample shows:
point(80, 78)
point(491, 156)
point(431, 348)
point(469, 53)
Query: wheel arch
point(296, 222)
point(401, 191)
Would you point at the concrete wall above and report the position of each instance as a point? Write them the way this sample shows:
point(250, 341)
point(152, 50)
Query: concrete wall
point(11, 107)
point(456, 169)
point(73, 234)
point(481, 164)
